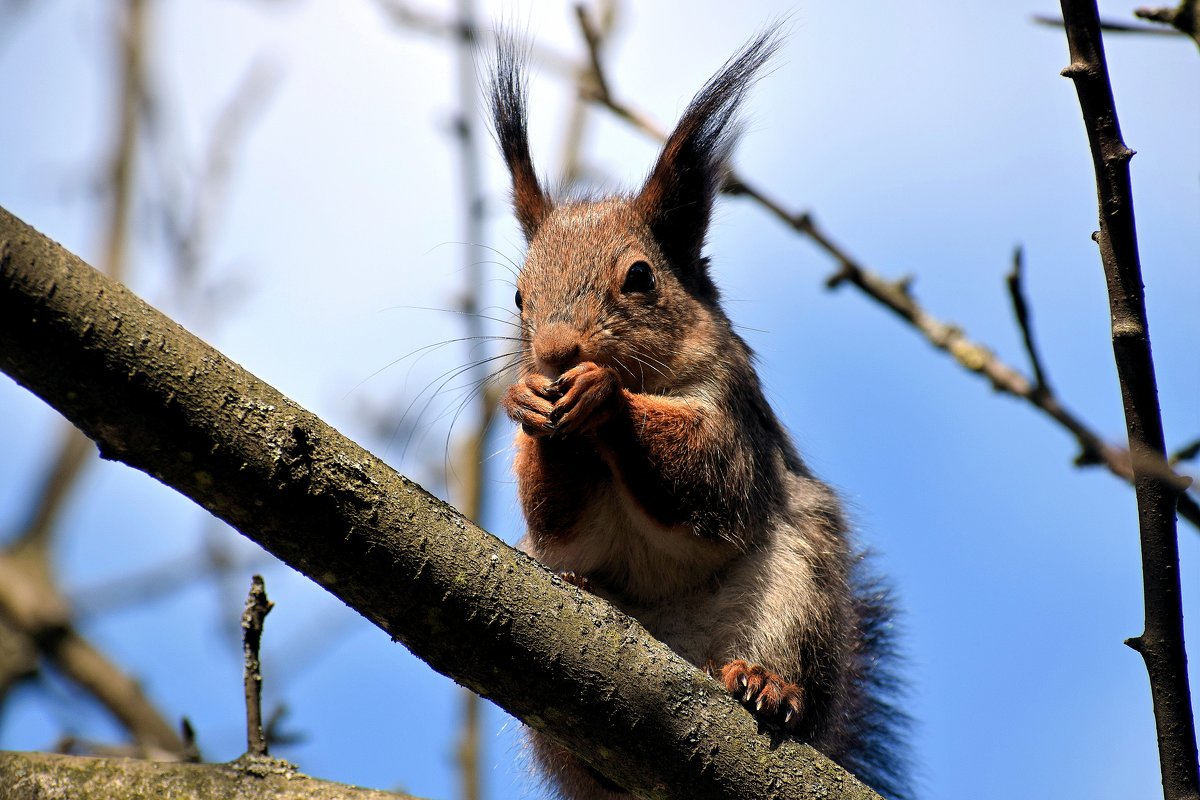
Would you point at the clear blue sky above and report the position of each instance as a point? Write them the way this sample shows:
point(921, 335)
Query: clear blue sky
point(929, 139)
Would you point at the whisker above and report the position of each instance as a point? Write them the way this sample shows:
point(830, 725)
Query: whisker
point(512, 266)
point(463, 312)
point(645, 360)
point(445, 378)
point(425, 350)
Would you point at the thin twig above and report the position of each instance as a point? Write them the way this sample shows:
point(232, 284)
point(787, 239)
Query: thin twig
point(897, 297)
point(1016, 291)
point(256, 610)
point(1161, 644)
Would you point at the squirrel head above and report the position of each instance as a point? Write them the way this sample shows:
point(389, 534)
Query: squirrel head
point(621, 281)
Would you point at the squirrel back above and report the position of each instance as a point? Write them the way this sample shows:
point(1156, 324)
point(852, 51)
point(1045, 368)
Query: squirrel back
point(653, 472)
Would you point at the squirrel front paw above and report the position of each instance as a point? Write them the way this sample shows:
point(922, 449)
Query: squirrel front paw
point(588, 391)
point(529, 403)
point(774, 701)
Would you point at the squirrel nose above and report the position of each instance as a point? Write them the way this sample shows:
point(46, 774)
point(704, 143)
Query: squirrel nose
point(556, 349)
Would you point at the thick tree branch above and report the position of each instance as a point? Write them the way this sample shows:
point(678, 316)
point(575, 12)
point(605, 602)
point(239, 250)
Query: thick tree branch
point(43, 776)
point(1161, 644)
point(156, 397)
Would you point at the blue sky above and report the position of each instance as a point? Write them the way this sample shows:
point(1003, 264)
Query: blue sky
point(928, 140)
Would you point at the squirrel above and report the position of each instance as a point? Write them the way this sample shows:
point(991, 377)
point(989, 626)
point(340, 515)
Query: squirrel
point(651, 469)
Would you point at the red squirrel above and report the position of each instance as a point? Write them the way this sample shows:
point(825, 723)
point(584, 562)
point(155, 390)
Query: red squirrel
point(651, 469)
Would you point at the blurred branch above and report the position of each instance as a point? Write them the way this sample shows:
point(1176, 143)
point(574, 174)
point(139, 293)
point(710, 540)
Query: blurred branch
point(1186, 453)
point(1184, 18)
point(18, 657)
point(488, 616)
point(73, 454)
point(472, 465)
point(1161, 644)
point(897, 297)
point(213, 559)
point(41, 776)
point(409, 17)
point(596, 34)
point(1110, 25)
point(190, 215)
point(31, 604)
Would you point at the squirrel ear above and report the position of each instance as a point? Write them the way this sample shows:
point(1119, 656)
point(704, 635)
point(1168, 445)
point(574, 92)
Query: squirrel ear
point(508, 117)
point(678, 196)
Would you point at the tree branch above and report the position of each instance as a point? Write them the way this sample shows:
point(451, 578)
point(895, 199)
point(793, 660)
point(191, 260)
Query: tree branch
point(1184, 18)
point(1016, 293)
point(45, 776)
point(564, 661)
point(1161, 644)
point(253, 616)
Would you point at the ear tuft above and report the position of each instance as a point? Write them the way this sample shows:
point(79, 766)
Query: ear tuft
point(507, 97)
point(678, 196)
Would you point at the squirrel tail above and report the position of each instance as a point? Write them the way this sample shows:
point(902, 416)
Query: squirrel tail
point(880, 755)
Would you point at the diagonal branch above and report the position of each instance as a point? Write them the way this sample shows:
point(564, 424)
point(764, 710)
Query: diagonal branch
point(1161, 643)
point(565, 662)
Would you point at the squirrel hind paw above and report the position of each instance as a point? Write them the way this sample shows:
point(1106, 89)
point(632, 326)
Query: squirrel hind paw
point(577, 580)
point(775, 702)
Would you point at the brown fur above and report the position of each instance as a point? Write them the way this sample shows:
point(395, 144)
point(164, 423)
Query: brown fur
point(650, 465)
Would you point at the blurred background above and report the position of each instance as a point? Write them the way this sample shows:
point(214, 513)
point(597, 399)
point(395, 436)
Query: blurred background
point(310, 187)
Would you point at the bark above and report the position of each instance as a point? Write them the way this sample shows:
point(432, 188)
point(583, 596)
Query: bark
point(157, 398)
point(47, 776)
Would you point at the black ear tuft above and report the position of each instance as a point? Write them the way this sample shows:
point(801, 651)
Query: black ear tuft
point(508, 116)
point(678, 196)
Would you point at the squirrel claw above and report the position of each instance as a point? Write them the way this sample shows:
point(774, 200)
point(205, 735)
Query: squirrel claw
point(575, 579)
point(774, 701)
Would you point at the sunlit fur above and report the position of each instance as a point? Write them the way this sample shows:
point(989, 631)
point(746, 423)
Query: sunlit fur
point(669, 482)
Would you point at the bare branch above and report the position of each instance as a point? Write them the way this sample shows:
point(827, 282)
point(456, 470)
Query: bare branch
point(253, 615)
point(1016, 292)
point(1161, 643)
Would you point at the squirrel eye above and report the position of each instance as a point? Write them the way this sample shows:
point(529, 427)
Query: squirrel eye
point(639, 278)
point(517, 300)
